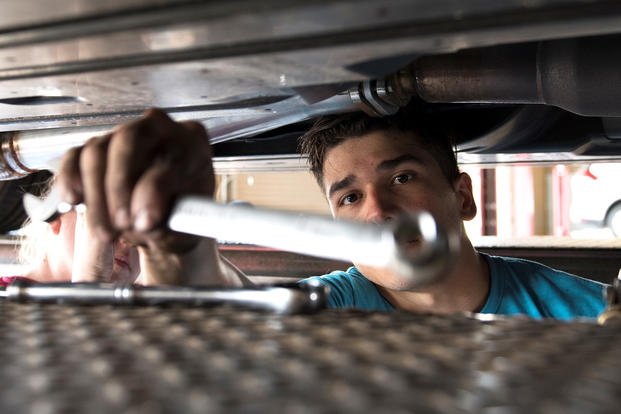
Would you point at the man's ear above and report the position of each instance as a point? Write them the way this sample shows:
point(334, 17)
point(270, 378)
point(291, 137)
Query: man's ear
point(55, 226)
point(463, 188)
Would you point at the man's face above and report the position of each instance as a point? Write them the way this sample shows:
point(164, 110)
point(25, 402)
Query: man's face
point(378, 176)
point(117, 261)
point(125, 262)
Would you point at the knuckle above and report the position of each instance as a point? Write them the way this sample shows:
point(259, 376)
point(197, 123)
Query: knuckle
point(130, 131)
point(72, 154)
point(69, 163)
point(196, 128)
point(93, 152)
point(155, 113)
point(135, 136)
point(153, 121)
point(90, 155)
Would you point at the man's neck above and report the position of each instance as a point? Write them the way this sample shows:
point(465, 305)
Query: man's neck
point(465, 288)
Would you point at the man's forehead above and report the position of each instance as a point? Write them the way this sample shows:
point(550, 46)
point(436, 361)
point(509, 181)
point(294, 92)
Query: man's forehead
point(372, 152)
point(373, 148)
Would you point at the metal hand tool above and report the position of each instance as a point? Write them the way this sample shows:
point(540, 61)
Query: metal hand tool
point(413, 246)
point(287, 299)
point(48, 208)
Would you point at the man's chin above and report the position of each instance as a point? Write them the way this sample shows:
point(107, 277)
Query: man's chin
point(412, 246)
point(385, 278)
point(120, 275)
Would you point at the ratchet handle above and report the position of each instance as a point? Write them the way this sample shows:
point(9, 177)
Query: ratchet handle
point(285, 298)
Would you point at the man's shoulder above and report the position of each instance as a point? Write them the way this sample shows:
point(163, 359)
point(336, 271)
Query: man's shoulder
point(351, 275)
point(350, 289)
point(346, 281)
point(528, 271)
point(541, 291)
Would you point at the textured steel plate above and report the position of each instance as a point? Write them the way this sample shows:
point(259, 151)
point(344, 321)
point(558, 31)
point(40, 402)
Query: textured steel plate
point(58, 358)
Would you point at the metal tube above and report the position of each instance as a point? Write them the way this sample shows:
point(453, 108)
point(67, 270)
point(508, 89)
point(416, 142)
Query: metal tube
point(29, 151)
point(25, 152)
point(413, 246)
point(573, 74)
point(283, 113)
point(295, 298)
point(43, 149)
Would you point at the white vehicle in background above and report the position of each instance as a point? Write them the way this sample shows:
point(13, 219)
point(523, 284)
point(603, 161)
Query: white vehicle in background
point(596, 197)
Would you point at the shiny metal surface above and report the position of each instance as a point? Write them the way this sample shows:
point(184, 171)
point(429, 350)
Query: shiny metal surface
point(62, 358)
point(24, 152)
point(413, 245)
point(50, 208)
point(75, 62)
point(267, 163)
point(29, 151)
point(285, 299)
point(532, 158)
point(283, 113)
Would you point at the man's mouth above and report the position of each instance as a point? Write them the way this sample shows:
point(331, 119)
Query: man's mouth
point(414, 242)
point(120, 262)
point(412, 245)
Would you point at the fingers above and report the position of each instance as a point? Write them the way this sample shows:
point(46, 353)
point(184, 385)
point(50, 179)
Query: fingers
point(92, 258)
point(170, 176)
point(93, 170)
point(130, 178)
point(81, 174)
point(133, 148)
point(68, 179)
point(149, 204)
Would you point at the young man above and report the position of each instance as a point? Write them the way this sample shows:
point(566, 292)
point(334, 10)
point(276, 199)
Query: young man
point(373, 169)
point(370, 169)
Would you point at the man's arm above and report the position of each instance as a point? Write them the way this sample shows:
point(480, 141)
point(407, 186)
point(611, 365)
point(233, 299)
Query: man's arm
point(202, 265)
point(92, 258)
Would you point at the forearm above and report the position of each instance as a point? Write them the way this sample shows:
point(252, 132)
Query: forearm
point(92, 258)
point(201, 265)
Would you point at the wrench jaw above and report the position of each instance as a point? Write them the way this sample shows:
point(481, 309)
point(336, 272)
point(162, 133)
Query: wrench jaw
point(40, 209)
point(48, 208)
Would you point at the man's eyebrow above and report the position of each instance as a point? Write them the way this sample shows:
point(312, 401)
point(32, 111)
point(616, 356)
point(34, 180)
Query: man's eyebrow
point(390, 164)
point(339, 185)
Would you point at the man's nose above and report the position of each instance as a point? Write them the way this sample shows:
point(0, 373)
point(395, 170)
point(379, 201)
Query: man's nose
point(122, 245)
point(377, 207)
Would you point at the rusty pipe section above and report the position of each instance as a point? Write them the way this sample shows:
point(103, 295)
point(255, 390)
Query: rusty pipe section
point(580, 75)
point(413, 246)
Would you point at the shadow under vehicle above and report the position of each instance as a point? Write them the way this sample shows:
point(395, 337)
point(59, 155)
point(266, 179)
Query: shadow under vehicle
point(516, 82)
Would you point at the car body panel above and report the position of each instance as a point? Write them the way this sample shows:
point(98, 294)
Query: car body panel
point(70, 63)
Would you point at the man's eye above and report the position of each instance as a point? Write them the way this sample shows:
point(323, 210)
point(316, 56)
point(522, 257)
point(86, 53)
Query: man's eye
point(402, 178)
point(349, 199)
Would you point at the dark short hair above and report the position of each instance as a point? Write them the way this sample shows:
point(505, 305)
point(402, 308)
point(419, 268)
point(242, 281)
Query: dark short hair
point(329, 131)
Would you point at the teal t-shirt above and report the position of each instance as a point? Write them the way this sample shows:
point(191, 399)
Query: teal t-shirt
point(517, 286)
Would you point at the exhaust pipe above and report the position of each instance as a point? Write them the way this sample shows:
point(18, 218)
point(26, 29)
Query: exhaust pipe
point(581, 75)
